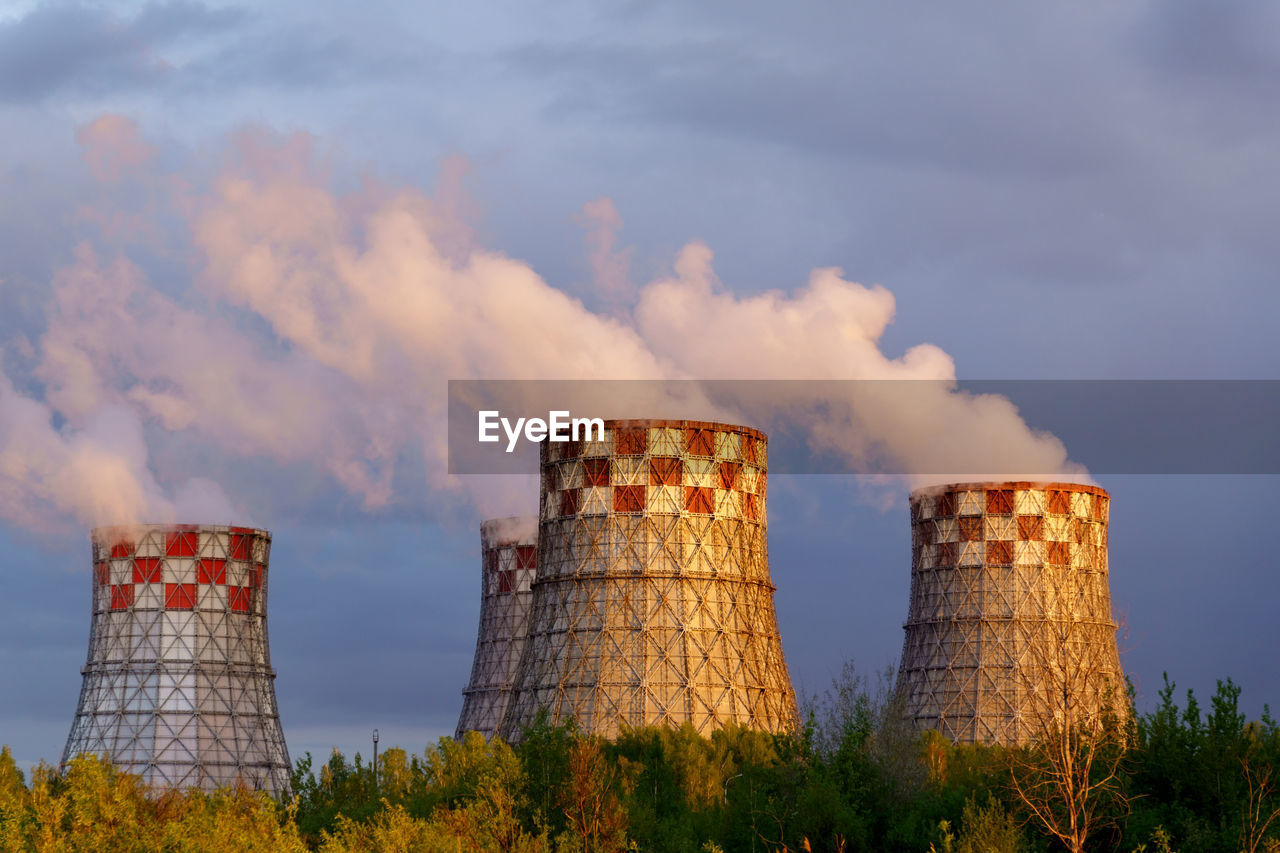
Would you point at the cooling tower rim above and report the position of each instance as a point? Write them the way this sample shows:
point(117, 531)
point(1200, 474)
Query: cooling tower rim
point(929, 491)
point(666, 423)
point(107, 532)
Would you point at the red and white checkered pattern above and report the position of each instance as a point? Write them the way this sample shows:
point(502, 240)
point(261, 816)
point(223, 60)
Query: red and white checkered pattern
point(178, 682)
point(180, 568)
point(1010, 524)
point(653, 603)
point(675, 468)
point(509, 563)
point(1001, 572)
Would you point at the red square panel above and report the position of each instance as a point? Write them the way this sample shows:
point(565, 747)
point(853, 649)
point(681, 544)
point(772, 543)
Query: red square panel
point(569, 502)
point(628, 498)
point(180, 544)
point(946, 504)
point(256, 575)
point(748, 448)
point(595, 472)
point(146, 570)
point(1059, 553)
point(240, 546)
point(749, 506)
point(631, 441)
point(999, 552)
point(699, 442)
point(665, 471)
point(101, 574)
point(506, 580)
point(238, 598)
point(121, 549)
point(729, 472)
point(121, 596)
point(699, 499)
point(211, 571)
point(946, 553)
point(1030, 528)
point(1059, 502)
point(1000, 501)
point(971, 528)
point(179, 596)
point(527, 557)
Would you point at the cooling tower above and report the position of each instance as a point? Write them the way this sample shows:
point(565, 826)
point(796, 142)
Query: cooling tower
point(652, 602)
point(508, 559)
point(178, 686)
point(1010, 623)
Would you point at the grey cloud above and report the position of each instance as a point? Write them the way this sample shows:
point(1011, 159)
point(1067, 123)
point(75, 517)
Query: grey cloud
point(184, 48)
point(75, 49)
point(1234, 42)
point(309, 59)
point(864, 100)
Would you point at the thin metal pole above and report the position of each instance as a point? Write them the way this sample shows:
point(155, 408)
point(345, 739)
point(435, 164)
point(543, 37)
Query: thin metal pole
point(375, 759)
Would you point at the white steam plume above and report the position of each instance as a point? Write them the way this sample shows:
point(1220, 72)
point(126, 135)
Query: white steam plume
point(375, 298)
point(518, 528)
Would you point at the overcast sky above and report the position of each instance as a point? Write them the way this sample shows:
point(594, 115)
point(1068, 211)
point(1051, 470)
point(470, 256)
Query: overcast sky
point(1082, 191)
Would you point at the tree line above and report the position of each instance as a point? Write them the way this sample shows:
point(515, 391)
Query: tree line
point(1184, 777)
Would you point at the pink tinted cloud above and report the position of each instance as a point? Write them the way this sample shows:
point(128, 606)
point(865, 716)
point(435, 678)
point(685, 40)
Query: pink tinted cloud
point(323, 325)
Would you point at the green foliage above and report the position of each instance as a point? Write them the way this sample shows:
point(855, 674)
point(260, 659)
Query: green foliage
point(854, 779)
point(1205, 781)
point(93, 807)
point(340, 789)
point(988, 828)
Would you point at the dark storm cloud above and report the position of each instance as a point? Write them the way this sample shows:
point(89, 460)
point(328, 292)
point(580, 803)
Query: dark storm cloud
point(79, 50)
point(306, 58)
point(1054, 145)
point(869, 82)
point(1234, 42)
point(839, 111)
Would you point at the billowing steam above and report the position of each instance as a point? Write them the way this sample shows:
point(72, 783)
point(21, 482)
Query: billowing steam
point(322, 327)
point(520, 528)
point(97, 474)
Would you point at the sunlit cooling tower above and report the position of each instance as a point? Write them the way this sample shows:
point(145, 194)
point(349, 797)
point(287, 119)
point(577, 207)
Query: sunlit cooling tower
point(508, 559)
point(178, 686)
point(652, 602)
point(1010, 621)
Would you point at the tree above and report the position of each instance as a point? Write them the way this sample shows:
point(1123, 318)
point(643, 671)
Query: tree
point(1070, 778)
point(590, 799)
point(13, 803)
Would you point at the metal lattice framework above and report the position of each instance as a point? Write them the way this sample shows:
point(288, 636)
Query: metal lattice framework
point(509, 559)
point(1010, 623)
point(652, 603)
point(178, 686)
